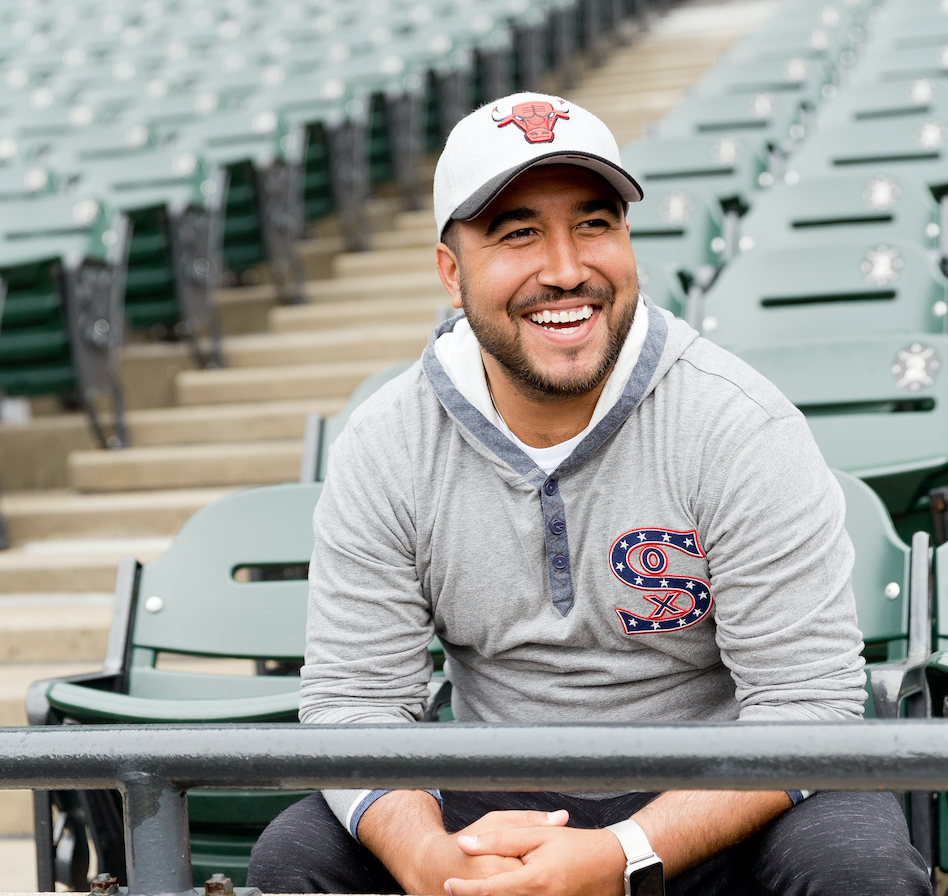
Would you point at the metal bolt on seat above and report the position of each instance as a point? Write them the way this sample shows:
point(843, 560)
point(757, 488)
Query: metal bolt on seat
point(218, 885)
point(104, 885)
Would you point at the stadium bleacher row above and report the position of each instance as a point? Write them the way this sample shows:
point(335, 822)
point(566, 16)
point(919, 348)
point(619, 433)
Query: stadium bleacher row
point(794, 213)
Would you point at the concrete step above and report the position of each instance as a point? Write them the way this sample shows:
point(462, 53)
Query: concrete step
point(186, 466)
point(80, 567)
point(47, 628)
point(400, 285)
point(41, 516)
point(332, 315)
point(34, 455)
point(406, 258)
point(336, 379)
point(390, 338)
point(423, 235)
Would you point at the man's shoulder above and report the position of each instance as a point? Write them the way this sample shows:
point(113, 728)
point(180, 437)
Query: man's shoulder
point(713, 373)
point(404, 394)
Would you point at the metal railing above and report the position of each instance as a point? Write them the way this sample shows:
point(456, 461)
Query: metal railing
point(153, 766)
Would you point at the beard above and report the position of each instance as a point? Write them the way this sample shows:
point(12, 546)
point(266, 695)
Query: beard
point(505, 345)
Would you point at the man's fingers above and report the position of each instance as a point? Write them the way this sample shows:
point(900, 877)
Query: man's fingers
point(511, 842)
point(517, 818)
point(508, 884)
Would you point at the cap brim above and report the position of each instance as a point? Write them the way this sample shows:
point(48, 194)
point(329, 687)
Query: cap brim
point(623, 182)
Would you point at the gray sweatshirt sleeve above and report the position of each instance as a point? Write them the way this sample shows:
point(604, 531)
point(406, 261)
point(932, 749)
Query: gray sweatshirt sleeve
point(781, 562)
point(363, 565)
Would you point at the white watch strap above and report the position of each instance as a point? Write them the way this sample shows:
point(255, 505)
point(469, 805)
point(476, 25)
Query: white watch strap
point(632, 838)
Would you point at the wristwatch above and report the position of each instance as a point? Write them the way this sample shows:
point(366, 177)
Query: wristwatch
point(644, 874)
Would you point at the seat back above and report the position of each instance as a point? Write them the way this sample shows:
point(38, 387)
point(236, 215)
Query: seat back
point(677, 225)
point(718, 166)
point(880, 572)
point(876, 208)
point(849, 288)
point(914, 143)
point(877, 406)
point(209, 593)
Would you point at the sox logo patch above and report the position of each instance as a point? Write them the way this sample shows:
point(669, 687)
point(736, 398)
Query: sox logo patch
point(640, 558)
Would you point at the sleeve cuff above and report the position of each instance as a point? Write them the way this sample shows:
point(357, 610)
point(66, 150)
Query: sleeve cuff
point(796, 796)
point(365, 798)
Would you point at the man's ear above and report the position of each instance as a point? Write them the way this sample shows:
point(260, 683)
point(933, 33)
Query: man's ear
point(449, 270)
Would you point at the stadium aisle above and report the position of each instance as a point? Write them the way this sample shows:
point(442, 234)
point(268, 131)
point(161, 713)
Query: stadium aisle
point(194, 430)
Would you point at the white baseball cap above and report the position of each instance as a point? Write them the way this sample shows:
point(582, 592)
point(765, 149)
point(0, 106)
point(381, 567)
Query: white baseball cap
point(486, 150)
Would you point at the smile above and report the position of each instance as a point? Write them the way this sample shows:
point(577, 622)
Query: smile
point(572, 316)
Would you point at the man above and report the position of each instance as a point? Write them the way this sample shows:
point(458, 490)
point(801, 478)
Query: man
point(604, 518)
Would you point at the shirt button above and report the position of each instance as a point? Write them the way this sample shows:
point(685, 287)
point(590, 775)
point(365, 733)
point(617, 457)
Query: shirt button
point(557, 527)
point(550, 487)
point(560, 562)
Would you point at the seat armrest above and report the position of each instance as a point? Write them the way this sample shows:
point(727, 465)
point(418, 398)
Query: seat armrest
point(38, 707)
point(890, 683)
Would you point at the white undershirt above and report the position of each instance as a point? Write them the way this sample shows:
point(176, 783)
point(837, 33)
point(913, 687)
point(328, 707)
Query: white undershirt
point(460, 356)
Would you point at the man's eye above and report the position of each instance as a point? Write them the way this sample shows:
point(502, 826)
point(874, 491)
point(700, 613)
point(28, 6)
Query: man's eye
point(521, 233)
point(595, 224)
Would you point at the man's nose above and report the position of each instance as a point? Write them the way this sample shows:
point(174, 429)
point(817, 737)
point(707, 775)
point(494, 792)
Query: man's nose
point(563, 265)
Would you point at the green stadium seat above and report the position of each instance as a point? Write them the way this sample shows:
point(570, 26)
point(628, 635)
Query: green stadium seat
point(175, 201)
point(231, 586)
point(885, 102)
point(881, 64)
point(264, 213)
point(659, 279)
point(850, 288)
point(768, 117)
point(63, 260)
point(797, 78)
point(677, 225)
point(915, 144)
point(879, 207)
point(877, 406)
point(723, 167)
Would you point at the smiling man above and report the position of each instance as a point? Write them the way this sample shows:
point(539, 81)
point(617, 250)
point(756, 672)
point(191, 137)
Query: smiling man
point(604, 518)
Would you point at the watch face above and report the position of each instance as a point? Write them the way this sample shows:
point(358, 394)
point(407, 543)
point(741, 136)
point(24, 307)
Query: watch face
point(648, 881)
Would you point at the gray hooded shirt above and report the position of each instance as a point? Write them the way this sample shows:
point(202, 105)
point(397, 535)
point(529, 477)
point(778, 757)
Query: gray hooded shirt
point(687, 561)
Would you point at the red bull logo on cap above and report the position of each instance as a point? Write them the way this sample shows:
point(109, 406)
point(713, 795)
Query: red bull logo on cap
point(535, 118)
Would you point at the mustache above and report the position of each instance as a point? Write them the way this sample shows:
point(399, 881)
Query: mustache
point(593, 295)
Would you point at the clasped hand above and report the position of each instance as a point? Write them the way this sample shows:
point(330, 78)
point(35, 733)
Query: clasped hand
point(534, 854)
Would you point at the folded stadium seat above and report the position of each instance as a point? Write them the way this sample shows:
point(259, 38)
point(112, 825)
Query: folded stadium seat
point(231, 591)
point(23, 180)
point(660, 280)
point(761, 115)
point(721, 168)
point(63, 260)
point(902, 26)
point(264, 212)
point(175, 201)
point(799, 79)
point(913, 144)
point(847, 288)
point(877, 406)
point(881, 64)
point(876, 208)
point(885, 102)
point(336, 164)
point(681, 228)
point(69, 155)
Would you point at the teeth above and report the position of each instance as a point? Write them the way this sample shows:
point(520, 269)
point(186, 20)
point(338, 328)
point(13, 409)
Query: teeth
point(561, 317)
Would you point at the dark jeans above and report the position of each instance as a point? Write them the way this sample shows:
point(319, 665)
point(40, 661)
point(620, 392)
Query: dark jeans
point(832, 844)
